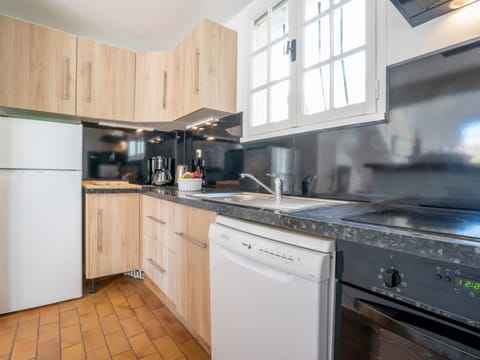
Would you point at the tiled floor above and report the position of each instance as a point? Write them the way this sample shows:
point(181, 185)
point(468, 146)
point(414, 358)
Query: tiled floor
point(123, 320)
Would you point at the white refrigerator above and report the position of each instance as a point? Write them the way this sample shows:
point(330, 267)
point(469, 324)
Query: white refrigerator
point(40, 213)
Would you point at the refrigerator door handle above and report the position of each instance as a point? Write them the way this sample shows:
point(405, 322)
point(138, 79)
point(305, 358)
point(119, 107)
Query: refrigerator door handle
point(99, 231)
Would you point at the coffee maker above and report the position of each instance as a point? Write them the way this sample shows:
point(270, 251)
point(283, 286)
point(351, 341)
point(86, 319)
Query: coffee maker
point(161, 170)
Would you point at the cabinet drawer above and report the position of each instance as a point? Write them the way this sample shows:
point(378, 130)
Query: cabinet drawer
point(157, 220)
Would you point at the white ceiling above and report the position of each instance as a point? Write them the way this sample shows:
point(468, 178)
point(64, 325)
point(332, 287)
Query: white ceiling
point(131, 24)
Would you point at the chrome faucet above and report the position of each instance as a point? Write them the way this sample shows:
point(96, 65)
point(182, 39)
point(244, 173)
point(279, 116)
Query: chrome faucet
point(277, 182)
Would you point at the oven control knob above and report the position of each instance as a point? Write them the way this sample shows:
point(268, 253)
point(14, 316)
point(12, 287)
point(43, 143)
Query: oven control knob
point(392, 278)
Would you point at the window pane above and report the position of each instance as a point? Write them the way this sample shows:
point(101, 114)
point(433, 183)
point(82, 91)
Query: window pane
point(316, 90)
point(279, 101)
point(315, 7)
point(259, 108)
point(279, 62)
point(349, 80)
point(349, 26)
point(317, 41)
point(260, 32)
point(279, 20)
point(259, 69)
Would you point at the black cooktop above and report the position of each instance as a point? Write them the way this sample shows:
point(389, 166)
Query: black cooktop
point(465, 224)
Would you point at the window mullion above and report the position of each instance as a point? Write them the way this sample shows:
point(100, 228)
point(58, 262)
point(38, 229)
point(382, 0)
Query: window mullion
point(332, 44)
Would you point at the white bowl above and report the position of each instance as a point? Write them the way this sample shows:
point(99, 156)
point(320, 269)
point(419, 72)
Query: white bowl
point(189, 184)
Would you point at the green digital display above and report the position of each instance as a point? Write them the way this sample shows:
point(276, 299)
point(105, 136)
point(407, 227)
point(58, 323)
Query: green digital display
point(467, 284)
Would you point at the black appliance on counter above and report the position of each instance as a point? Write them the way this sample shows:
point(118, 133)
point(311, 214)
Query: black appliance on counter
point(392, 305)
point(161, 170)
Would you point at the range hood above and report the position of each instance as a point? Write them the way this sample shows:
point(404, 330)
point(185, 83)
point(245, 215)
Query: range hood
point(420, 11)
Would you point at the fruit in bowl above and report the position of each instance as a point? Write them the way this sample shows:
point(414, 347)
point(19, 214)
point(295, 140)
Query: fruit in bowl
point(190, 181)
point(191, 175)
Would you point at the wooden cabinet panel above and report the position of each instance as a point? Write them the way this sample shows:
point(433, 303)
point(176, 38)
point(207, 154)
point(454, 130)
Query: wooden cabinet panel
point(154, 86)
point(37, 67)
point(206, 70)
point(157, 221)
point(192, 267)
point(111, 234)
point(105, 81)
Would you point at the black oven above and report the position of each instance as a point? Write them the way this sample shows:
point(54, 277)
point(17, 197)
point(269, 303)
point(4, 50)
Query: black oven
point(392, 306)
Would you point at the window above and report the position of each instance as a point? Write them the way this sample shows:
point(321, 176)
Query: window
point(332, 77)
point(271, 67)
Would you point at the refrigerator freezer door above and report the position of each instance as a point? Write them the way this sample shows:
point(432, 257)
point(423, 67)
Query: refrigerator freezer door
point(40, 238)
point(34, 144)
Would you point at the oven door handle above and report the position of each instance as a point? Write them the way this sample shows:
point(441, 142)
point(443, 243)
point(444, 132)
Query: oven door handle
point(413, 334)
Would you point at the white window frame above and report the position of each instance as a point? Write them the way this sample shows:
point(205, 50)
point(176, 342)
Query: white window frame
point(372, 110)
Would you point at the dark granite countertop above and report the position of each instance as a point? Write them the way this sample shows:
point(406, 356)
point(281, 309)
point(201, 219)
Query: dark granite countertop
point(327, 221)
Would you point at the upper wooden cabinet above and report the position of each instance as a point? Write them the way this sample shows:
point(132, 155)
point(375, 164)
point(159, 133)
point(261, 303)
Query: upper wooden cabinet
point(37, 67)
point(206, 70)
point(154, 87)
point(105, 81)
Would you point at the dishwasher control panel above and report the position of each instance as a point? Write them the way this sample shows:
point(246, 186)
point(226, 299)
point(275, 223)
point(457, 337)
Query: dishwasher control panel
point(290, 259)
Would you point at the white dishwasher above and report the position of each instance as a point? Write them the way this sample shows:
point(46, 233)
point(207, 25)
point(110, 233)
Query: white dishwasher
point(272, 293)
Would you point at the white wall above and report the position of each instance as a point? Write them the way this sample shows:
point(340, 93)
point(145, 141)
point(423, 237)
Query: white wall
point(403, 41)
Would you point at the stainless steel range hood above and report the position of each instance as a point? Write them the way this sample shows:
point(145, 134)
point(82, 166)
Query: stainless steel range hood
point(420, 11)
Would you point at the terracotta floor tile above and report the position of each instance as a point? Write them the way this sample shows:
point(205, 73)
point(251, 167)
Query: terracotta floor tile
point(110, 324)
point(104, 309)
point(128, 355)
point(70, 336)
point(49, 314)
point(154, 356)
point(154, 329)
point(165, 316)
point(153, 302)
point(117, 343)
point(93, 339)
point(144, 314)
point(28, 315)
point(49, 350)
point(123, 311)
point(131, 326)
point(69, 305)
point(4, 357)
point(74, 352)
point(24, 348)
point(135, 301)
point(89, 321)
point(127, 289)
point(117, 298)
point(99, 354)
point(167, 348)
point(6, 342)
point(27, 329)
point(8, 324)
point(178, 333)
point(48, 332)
point(193, 350)
point(141, 345)
point(99, 297)
point(69, 318)
point(86, 307)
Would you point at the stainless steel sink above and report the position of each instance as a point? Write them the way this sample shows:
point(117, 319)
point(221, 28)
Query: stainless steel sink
point(267, 201)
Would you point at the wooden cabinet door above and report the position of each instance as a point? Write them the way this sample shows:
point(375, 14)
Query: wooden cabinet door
point(37, 67)
point(193, 270)
point(154, 86)
point(206, 70)
point(111, 234)
point(105, 81)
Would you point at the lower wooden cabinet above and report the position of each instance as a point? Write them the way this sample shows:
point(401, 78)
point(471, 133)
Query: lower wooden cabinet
point(112, 233)
point(193, 267)
point(175, 257)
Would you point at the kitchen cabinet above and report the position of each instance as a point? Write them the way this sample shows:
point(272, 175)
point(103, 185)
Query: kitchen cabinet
point(37, 67)
point(192, 267)
point(154, 86)
point(105, 81)
point(206, 70)
point(112, 233)
point(158, 256)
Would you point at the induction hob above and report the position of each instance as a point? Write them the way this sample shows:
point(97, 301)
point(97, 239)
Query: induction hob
point(465, 224)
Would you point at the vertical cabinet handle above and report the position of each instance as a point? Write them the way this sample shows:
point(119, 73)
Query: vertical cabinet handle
point(189, 239)
point(99, 231)
point(164, 103)
point(66, 77)
point(197, 71)
point(88, 82)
